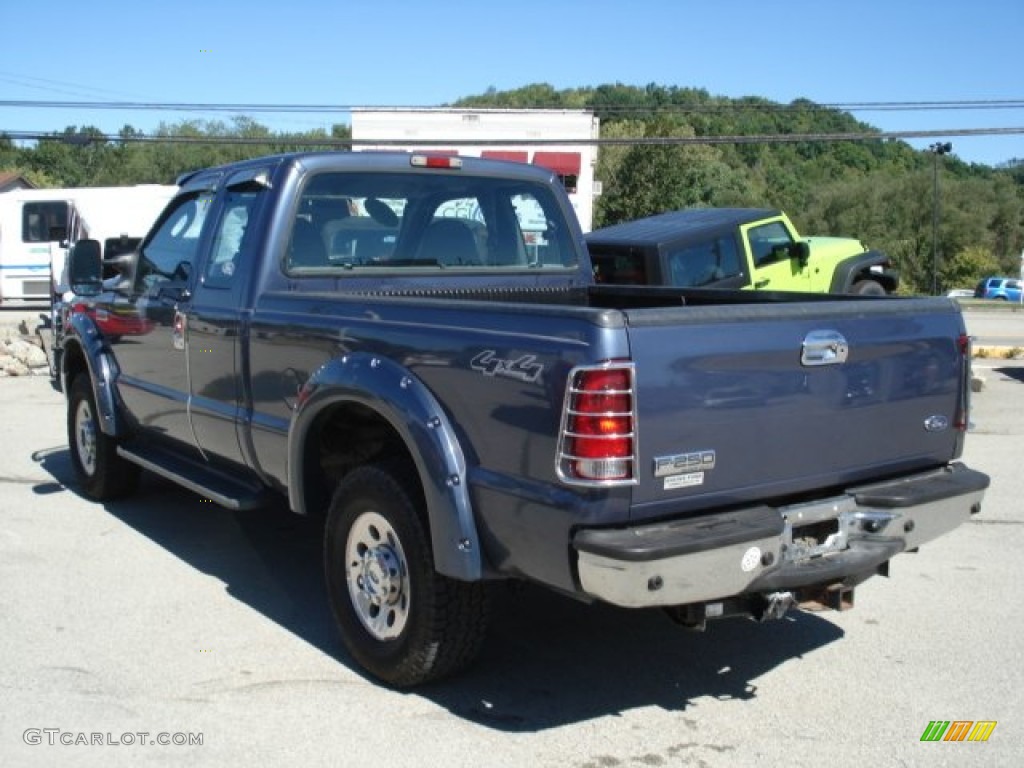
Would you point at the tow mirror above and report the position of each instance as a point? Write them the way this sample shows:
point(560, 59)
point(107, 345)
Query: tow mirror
point(85, 268)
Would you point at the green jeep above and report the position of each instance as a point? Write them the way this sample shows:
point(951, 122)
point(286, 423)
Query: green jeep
point(751, 248)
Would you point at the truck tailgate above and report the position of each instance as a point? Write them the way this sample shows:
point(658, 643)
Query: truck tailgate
point(743, 403)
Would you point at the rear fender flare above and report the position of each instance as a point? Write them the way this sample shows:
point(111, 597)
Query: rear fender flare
point(399, 397)
point(82, 336)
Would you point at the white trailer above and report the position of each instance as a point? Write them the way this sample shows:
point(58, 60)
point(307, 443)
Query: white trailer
point(521, 135)
point(37, 226)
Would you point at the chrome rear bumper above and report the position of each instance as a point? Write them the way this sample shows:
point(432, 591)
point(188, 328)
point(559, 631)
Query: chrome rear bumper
point(764, 548)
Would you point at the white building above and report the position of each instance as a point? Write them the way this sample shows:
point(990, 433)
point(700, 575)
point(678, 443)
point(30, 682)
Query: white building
point(503, 134)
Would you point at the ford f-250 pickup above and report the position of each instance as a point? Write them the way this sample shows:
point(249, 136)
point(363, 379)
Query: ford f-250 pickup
point(374, 337)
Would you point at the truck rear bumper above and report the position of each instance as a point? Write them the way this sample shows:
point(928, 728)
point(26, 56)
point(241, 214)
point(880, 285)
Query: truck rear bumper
point(763, 549)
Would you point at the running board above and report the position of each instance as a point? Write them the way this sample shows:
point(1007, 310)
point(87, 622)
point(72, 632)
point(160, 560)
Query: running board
point(210, 483)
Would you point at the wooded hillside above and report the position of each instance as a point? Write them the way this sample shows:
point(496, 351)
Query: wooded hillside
point(878, 190)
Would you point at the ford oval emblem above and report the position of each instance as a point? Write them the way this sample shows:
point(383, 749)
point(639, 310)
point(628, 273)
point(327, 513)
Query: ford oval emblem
point(936, 423)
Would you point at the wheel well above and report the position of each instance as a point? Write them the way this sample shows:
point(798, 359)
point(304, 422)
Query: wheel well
point(886, 281)
point(73, 363)
point(343, 437)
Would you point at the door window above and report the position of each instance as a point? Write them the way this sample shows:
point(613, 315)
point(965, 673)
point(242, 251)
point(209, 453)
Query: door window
point(228, 238)
point(170, 253)
point(769, 243)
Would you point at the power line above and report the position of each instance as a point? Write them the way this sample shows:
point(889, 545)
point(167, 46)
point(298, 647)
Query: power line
point(859, 106)
point(300, 141)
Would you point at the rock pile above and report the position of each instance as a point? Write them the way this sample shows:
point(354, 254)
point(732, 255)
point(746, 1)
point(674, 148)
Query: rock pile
point(21, 355)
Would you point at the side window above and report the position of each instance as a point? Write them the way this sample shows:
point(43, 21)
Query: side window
point(44, 222)
point(769, 243)
point(227, 240)
point(704, 263)
point(619, 267)
point(171, 252)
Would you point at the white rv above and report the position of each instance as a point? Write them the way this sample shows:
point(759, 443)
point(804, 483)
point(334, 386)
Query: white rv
point(35, 228)
point(37, 225)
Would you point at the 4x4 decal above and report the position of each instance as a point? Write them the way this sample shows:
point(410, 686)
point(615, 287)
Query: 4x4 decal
point(525, 368)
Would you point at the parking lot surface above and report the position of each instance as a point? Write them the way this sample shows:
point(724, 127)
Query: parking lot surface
point(165, 630)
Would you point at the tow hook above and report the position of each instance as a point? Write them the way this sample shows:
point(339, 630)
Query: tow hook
point(776, 605)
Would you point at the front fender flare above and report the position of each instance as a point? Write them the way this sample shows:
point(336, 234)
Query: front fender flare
point(399, 397)
point(847, 271)
point(81, 335)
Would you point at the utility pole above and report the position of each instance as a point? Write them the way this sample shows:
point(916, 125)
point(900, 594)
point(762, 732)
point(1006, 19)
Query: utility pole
point(937, 149)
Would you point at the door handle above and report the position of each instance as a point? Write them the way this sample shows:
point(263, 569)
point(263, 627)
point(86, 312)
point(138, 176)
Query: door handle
point(761, 283)
point(824, 347)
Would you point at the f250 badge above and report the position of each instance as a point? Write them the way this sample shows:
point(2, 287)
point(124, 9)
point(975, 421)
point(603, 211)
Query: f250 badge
point(684, 469)
point(525, 368)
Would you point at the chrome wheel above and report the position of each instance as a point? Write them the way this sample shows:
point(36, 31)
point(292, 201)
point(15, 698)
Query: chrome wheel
point(377, 575)
point(85, 436)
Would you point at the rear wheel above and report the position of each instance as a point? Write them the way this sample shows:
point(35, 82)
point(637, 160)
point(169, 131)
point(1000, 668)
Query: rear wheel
point(399, 619)
point(868, 288)
point(102, 474)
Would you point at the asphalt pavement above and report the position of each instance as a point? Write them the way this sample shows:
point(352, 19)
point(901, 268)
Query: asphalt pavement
point(164, 618)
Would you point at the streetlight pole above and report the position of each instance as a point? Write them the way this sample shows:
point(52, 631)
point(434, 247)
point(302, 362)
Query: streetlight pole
point(937, 149)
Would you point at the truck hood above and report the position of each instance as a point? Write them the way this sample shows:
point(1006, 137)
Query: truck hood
point(834, 248)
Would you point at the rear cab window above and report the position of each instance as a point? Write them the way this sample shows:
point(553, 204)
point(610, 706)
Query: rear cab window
point(355, 223)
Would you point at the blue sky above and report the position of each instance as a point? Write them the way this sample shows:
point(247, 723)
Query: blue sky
point(404, 53)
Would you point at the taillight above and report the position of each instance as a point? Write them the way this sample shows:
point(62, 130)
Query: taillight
point(962, 419)
point(597, 444)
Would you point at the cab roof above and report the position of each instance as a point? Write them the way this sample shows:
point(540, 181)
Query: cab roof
point(664, 227)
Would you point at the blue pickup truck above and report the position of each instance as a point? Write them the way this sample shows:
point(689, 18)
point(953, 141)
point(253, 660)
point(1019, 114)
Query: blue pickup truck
point(413, 347)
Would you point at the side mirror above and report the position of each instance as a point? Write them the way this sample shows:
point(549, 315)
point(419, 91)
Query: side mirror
point(85, 268)
point(800, 251)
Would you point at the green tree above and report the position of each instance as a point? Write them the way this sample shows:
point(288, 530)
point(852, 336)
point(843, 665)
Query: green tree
point(652, 179)
point(966, 267)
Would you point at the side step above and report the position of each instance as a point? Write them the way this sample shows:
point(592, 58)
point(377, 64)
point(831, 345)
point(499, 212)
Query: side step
point(216, 485)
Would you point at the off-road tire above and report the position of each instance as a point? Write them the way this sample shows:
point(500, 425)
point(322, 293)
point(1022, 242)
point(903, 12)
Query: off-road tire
point(400, 620)
point(868, 288)
point(101, 473)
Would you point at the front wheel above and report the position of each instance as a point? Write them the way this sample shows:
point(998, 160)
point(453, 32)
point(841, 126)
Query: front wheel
point(399, 619)
point(102, 474)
